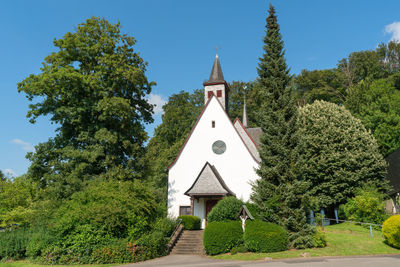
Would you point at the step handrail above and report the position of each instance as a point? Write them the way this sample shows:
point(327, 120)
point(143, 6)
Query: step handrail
point(175, 235)
point(176, 228)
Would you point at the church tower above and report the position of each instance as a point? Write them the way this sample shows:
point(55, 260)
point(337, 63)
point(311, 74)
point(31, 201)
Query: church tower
point(217, 85)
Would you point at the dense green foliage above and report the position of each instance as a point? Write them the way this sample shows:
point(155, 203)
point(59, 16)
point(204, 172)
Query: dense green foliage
point(340, 155)
point(325, 85)
point(226, 209)
point(94, 87)
point(260, 236)
point(13, 244)
point(240, 91)
point(367, 83)
point(280, 191)
point(123, 209)
point(16, 197)
point(319, 240)
point(391, 231)
point(39, 240)
point(366, 206)
point(377, 104)
point(165, 225)
point(221, 237)
point(190, 222)
point(104, 216)
point(86, 197)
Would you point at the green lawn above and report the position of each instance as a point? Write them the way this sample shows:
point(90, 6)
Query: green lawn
point(27, 263)
point(341, 242)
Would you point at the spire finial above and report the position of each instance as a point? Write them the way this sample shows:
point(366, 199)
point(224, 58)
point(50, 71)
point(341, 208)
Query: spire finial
point(245, 120)
point(216, 50)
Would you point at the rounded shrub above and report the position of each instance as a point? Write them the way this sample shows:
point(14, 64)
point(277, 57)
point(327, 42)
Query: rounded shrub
point(262, 236)
point(221, 237)
point(225, 210)
point(368, 205)
point(190, 222)
point(391, 231)
point(319, 240)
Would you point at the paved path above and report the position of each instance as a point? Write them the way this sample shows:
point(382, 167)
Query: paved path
point(200, 261)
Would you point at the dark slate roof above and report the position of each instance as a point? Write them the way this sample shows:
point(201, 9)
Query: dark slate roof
point(216, 72)
point(209, 182)
point(255, 134)
point(394, 170)
point(245, 211)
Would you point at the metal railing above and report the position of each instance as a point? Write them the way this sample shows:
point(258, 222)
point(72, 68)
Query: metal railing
point(176, 228)
point(174, 237)
point(323, 219)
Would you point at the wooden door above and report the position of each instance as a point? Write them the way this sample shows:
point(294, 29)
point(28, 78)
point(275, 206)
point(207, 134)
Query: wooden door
point(210, 204)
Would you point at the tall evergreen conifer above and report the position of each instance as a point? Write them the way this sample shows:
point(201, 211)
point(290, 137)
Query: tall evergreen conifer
point(279, 193)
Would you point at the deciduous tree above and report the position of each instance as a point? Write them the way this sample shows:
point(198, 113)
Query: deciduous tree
point(377, 104)
point(94, 88)
point(339, 155)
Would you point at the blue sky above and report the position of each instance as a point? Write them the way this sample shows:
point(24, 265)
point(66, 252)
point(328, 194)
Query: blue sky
point(178, 40)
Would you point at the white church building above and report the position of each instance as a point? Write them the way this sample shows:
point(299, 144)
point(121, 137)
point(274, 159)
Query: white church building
point(219, 157)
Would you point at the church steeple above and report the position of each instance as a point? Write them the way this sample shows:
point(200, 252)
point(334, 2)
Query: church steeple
point(216, 85)
point(216, 72)
point(245, 121)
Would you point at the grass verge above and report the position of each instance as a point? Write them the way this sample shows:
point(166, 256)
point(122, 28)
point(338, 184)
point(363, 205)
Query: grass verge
point(341, 242)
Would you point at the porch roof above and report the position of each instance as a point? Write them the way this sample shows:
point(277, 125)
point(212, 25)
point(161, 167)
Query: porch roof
point(209, 183)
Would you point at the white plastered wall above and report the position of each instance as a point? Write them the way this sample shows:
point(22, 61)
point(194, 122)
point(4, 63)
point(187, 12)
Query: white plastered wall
point(236, 166)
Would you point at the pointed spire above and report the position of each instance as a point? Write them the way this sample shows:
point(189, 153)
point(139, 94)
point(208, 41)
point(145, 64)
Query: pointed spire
point(216, 72)
point(245, 120)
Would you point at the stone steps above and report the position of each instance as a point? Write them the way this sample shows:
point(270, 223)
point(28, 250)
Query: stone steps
point(189, 243)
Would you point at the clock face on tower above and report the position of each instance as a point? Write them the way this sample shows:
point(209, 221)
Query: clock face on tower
point(219, 147)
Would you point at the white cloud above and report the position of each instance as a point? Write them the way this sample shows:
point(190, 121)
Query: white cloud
point(394, 30)
point(24, 145)
point(10, 172)
point(158, 101)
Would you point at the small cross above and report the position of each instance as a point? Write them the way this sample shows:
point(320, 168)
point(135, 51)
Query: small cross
point(216, 49)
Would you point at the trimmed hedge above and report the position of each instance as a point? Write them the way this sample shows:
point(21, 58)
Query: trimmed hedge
point(221, 237)
point(391, 231)
point(262, 236)
point(190, 222)
point(225, 210)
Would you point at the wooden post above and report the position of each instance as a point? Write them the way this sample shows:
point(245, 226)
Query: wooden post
point(192, 205)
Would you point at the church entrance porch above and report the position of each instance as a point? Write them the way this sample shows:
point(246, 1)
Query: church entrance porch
point(202, 206)
point(206, 191)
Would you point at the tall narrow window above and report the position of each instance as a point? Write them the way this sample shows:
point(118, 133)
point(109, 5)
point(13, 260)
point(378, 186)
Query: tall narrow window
point(219, 93)
point(210, 94)
point(212, 124)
